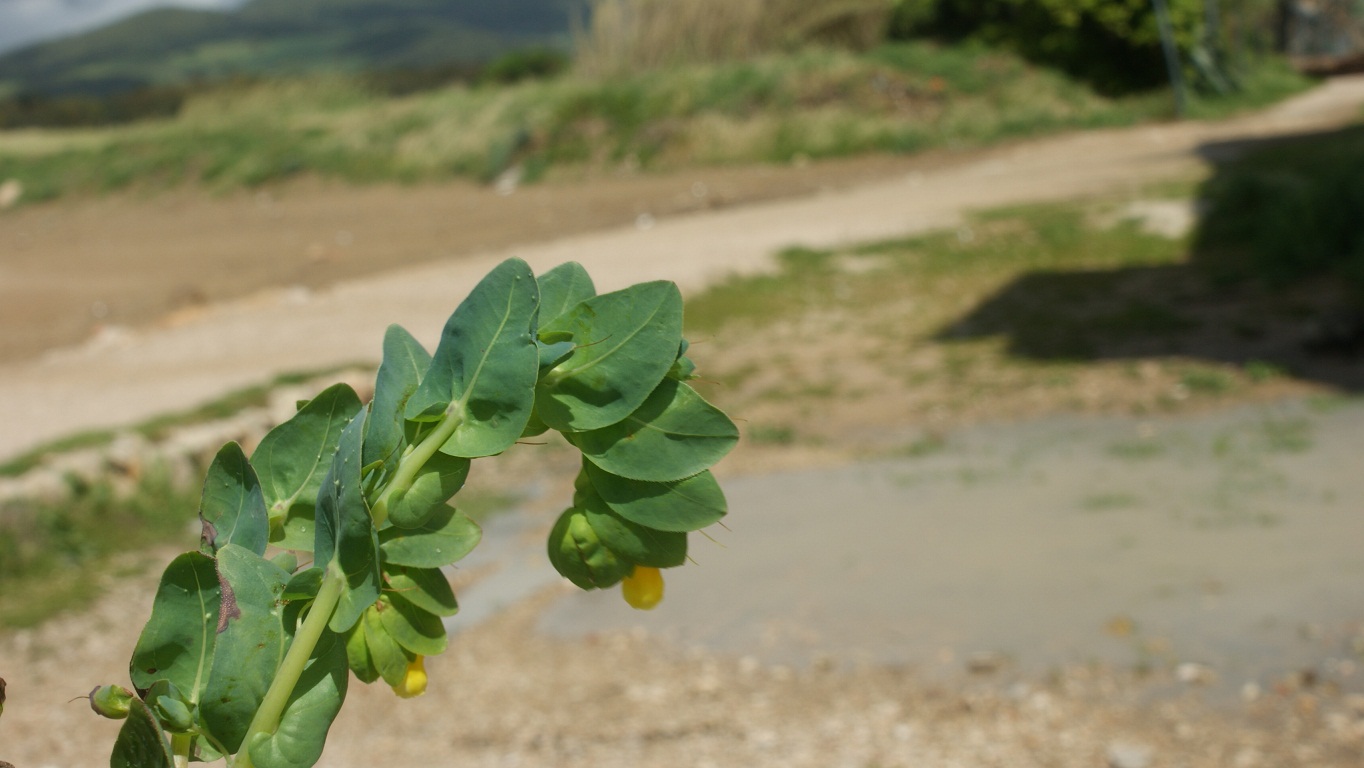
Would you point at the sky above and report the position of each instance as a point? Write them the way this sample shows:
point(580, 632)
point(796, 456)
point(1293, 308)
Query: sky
point(28, 21)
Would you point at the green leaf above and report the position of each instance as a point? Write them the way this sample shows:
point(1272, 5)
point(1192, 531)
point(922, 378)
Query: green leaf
point(388, 656)
point(178, 640)
point(309, 713)
point(444, 539)
point(675, 434)
point(562, 288)
point(414, 629)
point(292, 458)
point(626, 342)
point(299, 531)
point(633, 542)
point(550, 355)
point(405, 360)
point(141, 743)
point(357, 654)
point(484, 370)
point(232, 508)
point(251, 642)
point(676, 505)
point(304, 585)
point(426, 588)
point(345, 532)
point(579, 555)
point(438, 481)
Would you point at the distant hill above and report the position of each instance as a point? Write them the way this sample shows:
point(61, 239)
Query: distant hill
point(175, 45)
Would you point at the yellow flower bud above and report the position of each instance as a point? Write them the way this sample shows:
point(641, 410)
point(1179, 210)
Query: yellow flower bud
point(643, 589)
point(414, 682)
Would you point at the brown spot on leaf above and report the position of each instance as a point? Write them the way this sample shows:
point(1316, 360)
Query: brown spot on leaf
point(208, 534)
point(227, 610)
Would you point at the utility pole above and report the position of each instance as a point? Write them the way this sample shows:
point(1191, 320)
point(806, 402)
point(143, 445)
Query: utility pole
point(1167, 42)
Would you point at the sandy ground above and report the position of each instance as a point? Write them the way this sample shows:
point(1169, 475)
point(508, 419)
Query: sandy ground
point(815, 657)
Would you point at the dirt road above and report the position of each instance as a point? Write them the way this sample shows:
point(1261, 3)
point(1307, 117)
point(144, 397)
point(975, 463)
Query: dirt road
point(88, 255)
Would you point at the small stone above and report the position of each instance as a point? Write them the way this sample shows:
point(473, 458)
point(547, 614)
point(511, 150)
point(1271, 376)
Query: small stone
point(1194, 674)
point(1121, 755)
point(1248, 757)
point(985, 662)
point(10, 192)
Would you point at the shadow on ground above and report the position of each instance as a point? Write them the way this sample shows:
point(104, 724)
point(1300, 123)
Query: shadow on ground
point(1273, 281)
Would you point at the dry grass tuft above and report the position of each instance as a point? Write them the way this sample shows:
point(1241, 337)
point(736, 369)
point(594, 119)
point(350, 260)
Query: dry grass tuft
point(627, 36)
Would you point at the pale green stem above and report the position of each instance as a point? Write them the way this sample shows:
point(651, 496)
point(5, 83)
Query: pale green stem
point(413, 461)
point(272, 706)
point(180, 746)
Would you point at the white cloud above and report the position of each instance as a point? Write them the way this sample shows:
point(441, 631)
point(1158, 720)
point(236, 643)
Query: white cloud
point(25, 21)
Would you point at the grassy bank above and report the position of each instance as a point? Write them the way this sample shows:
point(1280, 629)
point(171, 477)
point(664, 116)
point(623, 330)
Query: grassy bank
point(778, 108)
point(1017, 314)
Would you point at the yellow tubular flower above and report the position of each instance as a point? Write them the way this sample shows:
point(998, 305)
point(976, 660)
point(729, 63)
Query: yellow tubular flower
point(414, 682)
point(643, 589)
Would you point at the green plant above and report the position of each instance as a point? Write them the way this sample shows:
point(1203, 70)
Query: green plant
point(247, 655)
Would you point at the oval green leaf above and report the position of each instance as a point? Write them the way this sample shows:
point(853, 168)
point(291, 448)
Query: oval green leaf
point(625, 343)
point(416, 630)
point(677, 505)
point(562, 288)
point(389, 658)
point(405, 360)
point(178, 640)
point(309, 713)
point(251, 642)
point(439, 480)
point(345, 531)
point(293, 457)
point(232, 508)
point(484, 370)
point(141, 742)
point(633, 542)
point(426, 588)
point(675, 434)
point(444, 539)
point(357, 654)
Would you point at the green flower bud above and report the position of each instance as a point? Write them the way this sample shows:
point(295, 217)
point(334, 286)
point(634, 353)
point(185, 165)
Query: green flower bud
point(111, 701)
point(170, 706)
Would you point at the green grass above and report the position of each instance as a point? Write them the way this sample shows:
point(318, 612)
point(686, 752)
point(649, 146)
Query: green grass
point(1107, 502)
point(51, 553)
point(779, 108)
point(1136, 449)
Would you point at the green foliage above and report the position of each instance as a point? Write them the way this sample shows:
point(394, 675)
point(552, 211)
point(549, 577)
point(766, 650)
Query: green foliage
point(1288, 212)
point(1113, 44)
point(250, 656)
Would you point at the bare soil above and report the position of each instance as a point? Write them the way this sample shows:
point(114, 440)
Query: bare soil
point(176, 299)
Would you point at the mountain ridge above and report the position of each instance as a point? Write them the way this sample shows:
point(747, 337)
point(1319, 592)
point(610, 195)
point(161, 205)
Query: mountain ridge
point(167, 46)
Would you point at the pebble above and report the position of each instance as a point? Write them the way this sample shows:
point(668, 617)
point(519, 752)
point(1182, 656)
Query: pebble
point(1122, 755)
point(1191, 673)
